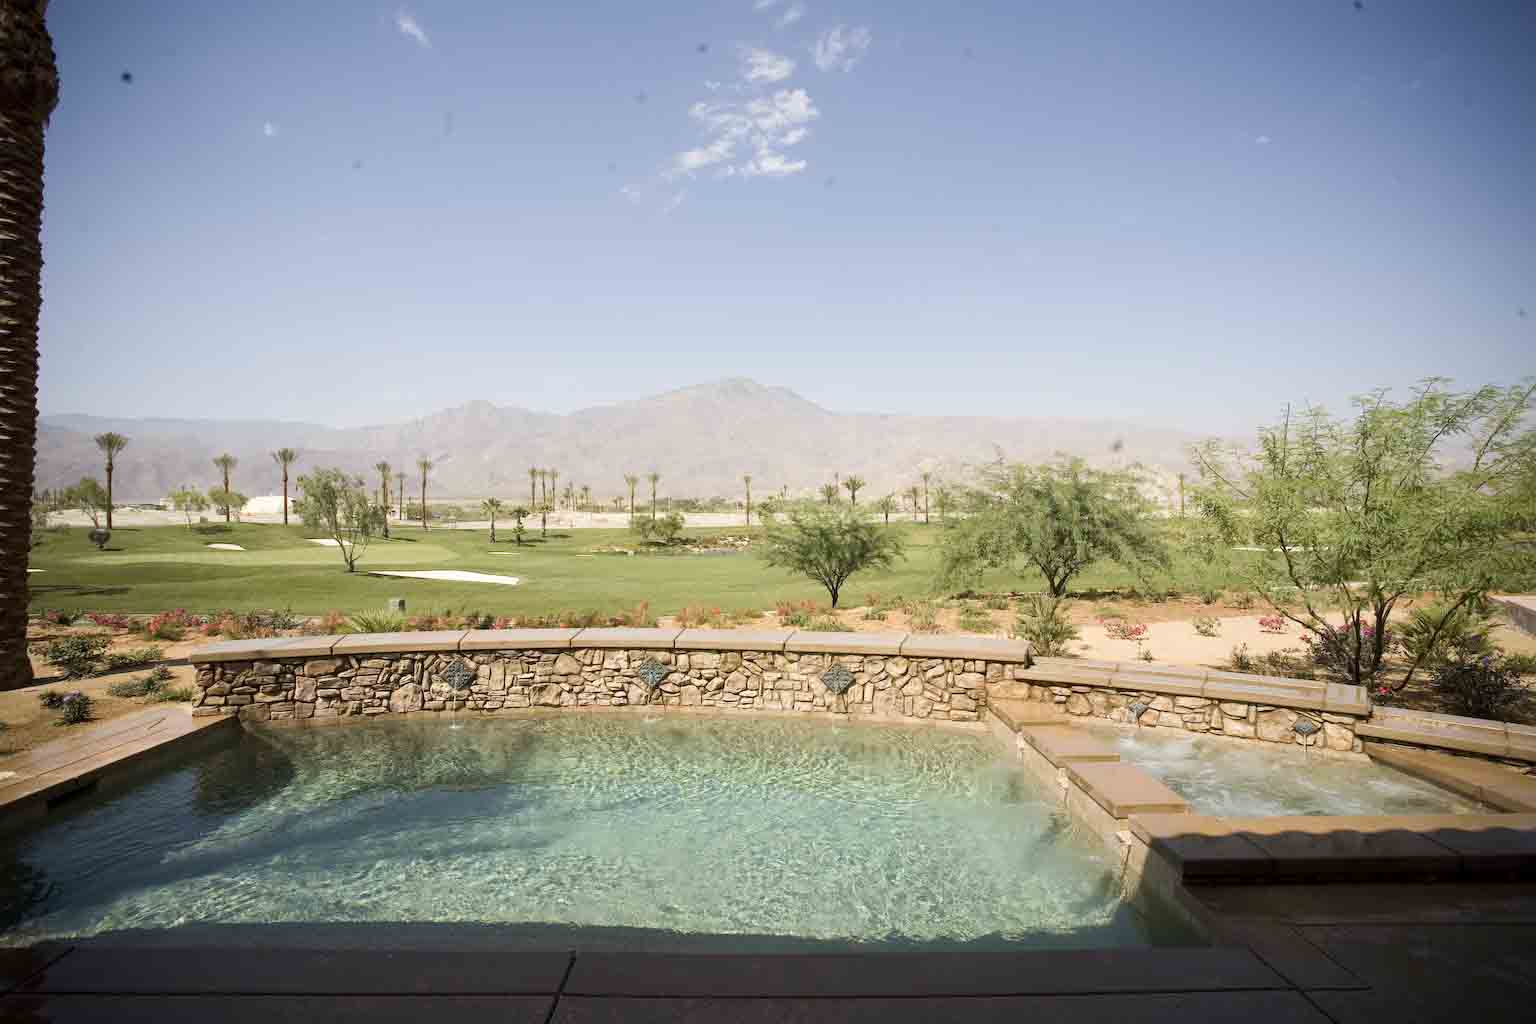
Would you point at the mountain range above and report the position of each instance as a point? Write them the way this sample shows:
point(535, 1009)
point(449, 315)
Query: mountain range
point(701, 439)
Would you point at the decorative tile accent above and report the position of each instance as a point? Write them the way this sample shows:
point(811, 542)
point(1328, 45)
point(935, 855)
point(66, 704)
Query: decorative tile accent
point(1137, 709)
point(1306, 727)
point(458, 675)
point(652, 672)
point(837, 679)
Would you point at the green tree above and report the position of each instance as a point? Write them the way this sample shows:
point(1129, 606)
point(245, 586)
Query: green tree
point(491, 506)
point(338, 506)
point(285, 457)
point(829, 492)
point(425, 465)
point(927, 476)
point(226, 500)
point(188, 501)
point(915, 493)
point(225, 464)
point(586, 497)
point(110, 444)
point(887, 505)
point(631, 481)
point(383, 470)
point(518, 514)
point(653, 477)
point(89, 497)
point(830, 545)
point(853, 484)
point(533, 485)
point(1060, 517)
point(1357, 513)
point(554, 485)
point(943, 497)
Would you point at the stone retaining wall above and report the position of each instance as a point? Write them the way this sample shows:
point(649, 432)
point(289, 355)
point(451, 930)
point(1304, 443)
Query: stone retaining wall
point(380, 674)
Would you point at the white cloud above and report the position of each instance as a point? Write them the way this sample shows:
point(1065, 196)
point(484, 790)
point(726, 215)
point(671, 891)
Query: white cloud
point(674, 202)
point(840, 47)
point(793, 14)
point(764, 125)
point(764, 65)
point(763, 5)
point(409, 26)
point(1263, 140)
point(269, 129)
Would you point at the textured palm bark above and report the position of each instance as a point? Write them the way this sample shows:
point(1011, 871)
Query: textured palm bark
point(29, 89)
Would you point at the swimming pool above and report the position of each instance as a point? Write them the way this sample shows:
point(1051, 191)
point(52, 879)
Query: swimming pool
point(579, 831)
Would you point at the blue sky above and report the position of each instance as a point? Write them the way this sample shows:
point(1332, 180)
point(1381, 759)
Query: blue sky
point(1181, 213)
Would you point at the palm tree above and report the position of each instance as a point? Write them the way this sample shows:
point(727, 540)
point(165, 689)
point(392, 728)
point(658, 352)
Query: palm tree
point(829, 492)
point(653, 477)
point(284, 457)
point(554, 483)
point(533, 486)
point(225, 463)
point(631, 480)
point(916, 491)
point(401, 479)
point(926, 477)
point(586, 497)
point(383, 468)
point(425, 465)
point(29, 89)
point(853, 483)
point(747, 479)
point(887, 505)
point(570, 496)
point(490, 506)
point(110, 444)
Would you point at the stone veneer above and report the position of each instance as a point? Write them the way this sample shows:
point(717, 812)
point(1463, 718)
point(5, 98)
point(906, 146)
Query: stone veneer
point(893, 675)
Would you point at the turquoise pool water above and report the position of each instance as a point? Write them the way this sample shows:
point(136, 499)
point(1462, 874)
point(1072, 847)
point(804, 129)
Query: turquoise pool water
point(578, 831)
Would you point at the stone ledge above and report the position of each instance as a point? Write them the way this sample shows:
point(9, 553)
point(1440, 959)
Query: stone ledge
point(1484, 781)
point(732, 640)
point(1016, 714)
point(262, 649)
point(627, 639)
point(1064, 745)
point(1427, 729)
point(398, 643)
point(1200, 847)
point(967, 648)
point(517, 639)
point(1123, 790)
point(806, 641)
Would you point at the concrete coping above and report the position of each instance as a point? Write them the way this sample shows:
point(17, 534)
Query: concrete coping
point(732, 639)
point(399, 643)
point(968, 648)
point(1063, 745)
point(1203, 847)
point(518, 639)
point(627, 638)
point(805, 641)
point(1178, 681)
point(1124, 789)
point(1472, 777)
point(264, 648)
point(1449, 732)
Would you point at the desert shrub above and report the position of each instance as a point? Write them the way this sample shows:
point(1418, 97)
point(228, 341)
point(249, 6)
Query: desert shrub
point(1294, 664)
point(1120, 629)
point(829, 624)
point(640, 616)
point(376, 622)
point(873, 614)
point(974, 620)
point(1145, 654)
point(1521, 664)
point(700, 617)
point(50, 699)
point(283, 619)
point(1334, 653)
point(60, 617)
point(147, 685)
point(110, 620)
point(477, 620)
point(1210, 595)
point(1207, 625)
point(329, 624)
point(1043, 621)
point(77, 655)
point(924, 616)
point(1108, 611)
point(995, 603)
point(1240, 660)
point(795, 613)
point(171, 625)
point(1243, 600)
point(1478, 684)
point(136, 657)
point(1425, 639)
point(1272, 623)
point(170, 694)
point(75, 708)
point(572, 619)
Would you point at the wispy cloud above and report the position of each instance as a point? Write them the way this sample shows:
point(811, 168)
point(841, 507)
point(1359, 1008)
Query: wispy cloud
point(763, 5)
point(764, 65)
point(269, 129)
point(409, 26)
point(1262, 140)
point(840, 47)
point(762, 127)
point(793, 14)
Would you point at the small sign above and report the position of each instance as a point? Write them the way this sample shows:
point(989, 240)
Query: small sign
point(837, 679)
point(652, 672)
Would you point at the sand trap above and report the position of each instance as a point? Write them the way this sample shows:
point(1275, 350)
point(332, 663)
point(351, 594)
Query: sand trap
point(226, 547)
point(37, 570)
point(454, 576)
point(327, 543)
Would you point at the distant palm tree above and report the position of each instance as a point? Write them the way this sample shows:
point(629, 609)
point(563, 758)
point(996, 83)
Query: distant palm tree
point(632, 481)
point(887, 505)
point(284, 457)
point(853, 483)
point(110, 444)
point(554, 484)
point(401, 478)
point(747, 479)
point(425, 465)
point(491, 506)
point(225, 464)
point(916, 492)
point(829, 492)
point(570, 496)
point(533, 486)
point(29, 90)
point(586, 497)
point(653, 477)
point(383, 468)
point(618, 503)
point(926, 477)
point(543, 487)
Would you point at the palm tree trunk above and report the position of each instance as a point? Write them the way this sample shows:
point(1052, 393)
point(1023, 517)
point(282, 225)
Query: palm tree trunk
point(285, 496)
point(28, 91)
point(109, 495)
point(423, 502)
point(226, 497)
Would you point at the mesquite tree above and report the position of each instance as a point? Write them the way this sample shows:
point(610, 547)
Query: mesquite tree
point(829, 545)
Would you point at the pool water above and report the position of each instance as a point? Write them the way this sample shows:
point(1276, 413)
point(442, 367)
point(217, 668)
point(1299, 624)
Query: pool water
point(578, 831)
point(1231, 778)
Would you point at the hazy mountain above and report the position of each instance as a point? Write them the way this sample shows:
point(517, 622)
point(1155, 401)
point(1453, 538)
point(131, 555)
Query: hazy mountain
point(701, 439)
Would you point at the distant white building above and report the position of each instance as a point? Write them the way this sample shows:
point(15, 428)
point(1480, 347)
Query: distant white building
point(266, 505)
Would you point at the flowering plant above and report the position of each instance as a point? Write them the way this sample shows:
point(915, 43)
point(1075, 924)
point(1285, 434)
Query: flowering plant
point(1272, 624)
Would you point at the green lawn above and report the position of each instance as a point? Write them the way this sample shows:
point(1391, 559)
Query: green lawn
point(158, 568)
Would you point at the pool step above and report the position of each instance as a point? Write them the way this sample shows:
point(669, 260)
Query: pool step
point(1497, 785)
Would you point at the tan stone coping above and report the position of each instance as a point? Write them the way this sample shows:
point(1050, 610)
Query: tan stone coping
point(968, 648)
point(732, 639)
point(1328, 846)
point(1452, 732)
point(1276, 691)
point(1064, 745)
point(1124, 789)
point(399, 643)
point(1016, 714)
point(631, 639)
point(269, 647)
point(518, 639)
point(807, 641)
point(1472, 777)
point(96, 753)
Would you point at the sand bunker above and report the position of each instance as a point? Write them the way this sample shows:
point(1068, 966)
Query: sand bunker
point(454, 576)
point(37, 570)
point(226, 547)
point(327, 543)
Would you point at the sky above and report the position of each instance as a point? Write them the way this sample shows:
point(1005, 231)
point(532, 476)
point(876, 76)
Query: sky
point(1184, 214)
